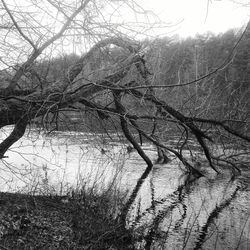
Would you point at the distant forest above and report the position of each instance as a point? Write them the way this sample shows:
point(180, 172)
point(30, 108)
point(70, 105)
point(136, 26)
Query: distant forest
point(224, 93)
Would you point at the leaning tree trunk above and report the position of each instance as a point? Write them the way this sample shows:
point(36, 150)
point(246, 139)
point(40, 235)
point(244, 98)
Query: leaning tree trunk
point(14, 136)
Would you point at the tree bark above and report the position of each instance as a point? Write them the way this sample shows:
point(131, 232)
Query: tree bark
point(14, 136)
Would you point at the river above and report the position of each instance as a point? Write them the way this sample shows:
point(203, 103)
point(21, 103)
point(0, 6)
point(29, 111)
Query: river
point(172, 211)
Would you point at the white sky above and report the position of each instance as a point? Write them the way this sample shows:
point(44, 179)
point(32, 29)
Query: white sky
point(193, 16)
point(199, 17)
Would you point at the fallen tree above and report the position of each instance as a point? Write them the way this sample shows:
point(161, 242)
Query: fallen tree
point(20, 105)
point(126, 77)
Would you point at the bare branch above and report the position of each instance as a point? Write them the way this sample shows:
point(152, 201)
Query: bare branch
point(38, 51)
point(17, 26)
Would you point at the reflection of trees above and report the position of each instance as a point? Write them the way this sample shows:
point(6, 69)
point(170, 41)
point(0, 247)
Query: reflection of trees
point(177, 200)
point(173, 215)
point(212, 217)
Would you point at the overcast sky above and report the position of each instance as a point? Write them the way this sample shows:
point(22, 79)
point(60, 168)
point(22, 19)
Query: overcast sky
point(193, 16)
point(199, 16)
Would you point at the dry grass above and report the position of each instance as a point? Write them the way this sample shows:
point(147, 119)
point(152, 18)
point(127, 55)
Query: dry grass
point(79, 221)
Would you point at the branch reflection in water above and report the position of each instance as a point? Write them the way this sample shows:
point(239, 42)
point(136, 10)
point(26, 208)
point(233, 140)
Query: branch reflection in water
point(170, 211)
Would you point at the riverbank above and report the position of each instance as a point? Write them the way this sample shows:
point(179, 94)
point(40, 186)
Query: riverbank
point(55, 222)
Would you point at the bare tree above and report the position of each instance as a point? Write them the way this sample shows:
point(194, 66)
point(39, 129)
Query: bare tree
point(36, 31)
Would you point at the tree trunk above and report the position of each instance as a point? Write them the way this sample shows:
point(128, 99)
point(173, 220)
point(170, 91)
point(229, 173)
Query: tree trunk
point(14, 136)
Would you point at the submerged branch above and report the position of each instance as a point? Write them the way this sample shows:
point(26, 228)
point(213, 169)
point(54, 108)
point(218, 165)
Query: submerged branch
point(190, 168)
point(130, 138)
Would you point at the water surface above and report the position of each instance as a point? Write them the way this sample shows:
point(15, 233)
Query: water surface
point(172, 211)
